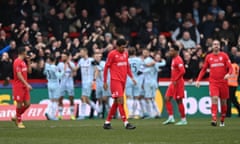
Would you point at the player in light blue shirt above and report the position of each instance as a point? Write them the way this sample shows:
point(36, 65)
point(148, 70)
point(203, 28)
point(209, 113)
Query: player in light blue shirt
point(53, 76)
point(87, 74)
point(132, 90)
point(66, 83)
point(150, 82)
point(102, 95)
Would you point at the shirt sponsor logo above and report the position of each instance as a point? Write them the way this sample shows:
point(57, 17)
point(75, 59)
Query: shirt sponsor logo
point(121, 63)
point(217, 65)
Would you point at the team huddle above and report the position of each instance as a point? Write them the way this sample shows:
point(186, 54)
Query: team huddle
point(61, 82)
point(123, 72)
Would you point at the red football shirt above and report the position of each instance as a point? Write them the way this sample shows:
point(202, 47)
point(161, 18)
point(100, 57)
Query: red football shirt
point(119, 67)
point(177, 69)
point(19, 66)
point(219, 65)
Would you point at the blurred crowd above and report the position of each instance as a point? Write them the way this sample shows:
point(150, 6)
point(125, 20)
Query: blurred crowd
point(48, 27)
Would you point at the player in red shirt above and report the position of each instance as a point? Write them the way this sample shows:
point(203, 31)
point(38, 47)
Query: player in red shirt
point(220, 69)
point(20, 86)
point(117, 63)
point(176, 88)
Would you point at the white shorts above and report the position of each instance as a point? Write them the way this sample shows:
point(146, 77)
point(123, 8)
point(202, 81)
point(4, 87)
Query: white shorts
point(53, 90)
point(67, 89)
point(87, 89)
point(100, 92)
point(132, 90)
point(150, 90)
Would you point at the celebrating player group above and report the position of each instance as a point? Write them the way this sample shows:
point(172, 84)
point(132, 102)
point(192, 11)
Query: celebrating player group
point(124, 71)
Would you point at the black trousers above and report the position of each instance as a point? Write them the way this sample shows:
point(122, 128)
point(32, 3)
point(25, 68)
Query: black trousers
point(232, 100)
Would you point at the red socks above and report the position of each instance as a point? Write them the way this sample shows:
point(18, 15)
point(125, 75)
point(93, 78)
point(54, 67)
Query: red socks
point(223, 112)
point(19, 112)
point(122, 112)
point(112, 111)
point(214, 112)
point(181, 110)
point(169, 107)
point(18, 115)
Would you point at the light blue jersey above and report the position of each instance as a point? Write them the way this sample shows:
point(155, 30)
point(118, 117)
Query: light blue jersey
point(131, 89)
point(53, 76)
point(99, 81)
point(87, 74)
point(66, 81)
point(150, 77)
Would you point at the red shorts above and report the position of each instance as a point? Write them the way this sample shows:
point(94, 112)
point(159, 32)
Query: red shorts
point(117, 88)
point(21, 94)
point(176, 91)
point(221, 90)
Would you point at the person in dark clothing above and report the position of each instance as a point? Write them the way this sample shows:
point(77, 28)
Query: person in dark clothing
point(6, 68)
point(191, 67)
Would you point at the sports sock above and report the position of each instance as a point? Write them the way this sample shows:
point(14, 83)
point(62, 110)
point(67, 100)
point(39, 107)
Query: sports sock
point(55, 107)
point(60, 110)
point(129, 106)
point(23, 109)
point(18, 115)
point(83, 109)
point(214, 112)
point(143, 105)
point(169, 108)
point(134, 107)
point(112, 111)
point(223, 112)
point(94, 106)
point(155, 107)
point(72, 109)
point(122, 112)
point(181, 110)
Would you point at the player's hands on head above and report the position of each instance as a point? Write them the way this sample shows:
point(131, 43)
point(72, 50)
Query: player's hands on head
point(105, 86)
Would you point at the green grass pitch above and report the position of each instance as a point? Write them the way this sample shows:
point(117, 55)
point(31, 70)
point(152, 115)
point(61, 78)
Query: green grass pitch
point(149, 131)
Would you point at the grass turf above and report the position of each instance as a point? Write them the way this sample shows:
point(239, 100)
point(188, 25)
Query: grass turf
point(150, 131)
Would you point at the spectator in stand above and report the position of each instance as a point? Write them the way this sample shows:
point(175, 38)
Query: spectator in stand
point(148, 34)
point(191, 67)
point(71, 15)
point(176, 22)
point(3, 39)
point(85, 22)
point(214, 8)
point(197, 12)
point(123, 25)
point(187, 26)
point(225, 33)
point(6, 68)
point(162, 45)
point(207, 26)
point(13, 50)
point(186, 40)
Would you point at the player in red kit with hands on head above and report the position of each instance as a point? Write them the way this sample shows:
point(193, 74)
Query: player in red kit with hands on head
point(20, 86)
point(220, 70)
point(117, 63)
point(176, 88)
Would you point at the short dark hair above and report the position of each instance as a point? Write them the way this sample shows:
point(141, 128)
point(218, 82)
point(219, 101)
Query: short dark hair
point(52, 58)
point(175, 47)
point(21, 50)
point(132, 51)
point(66, 53)
point(121, 42)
